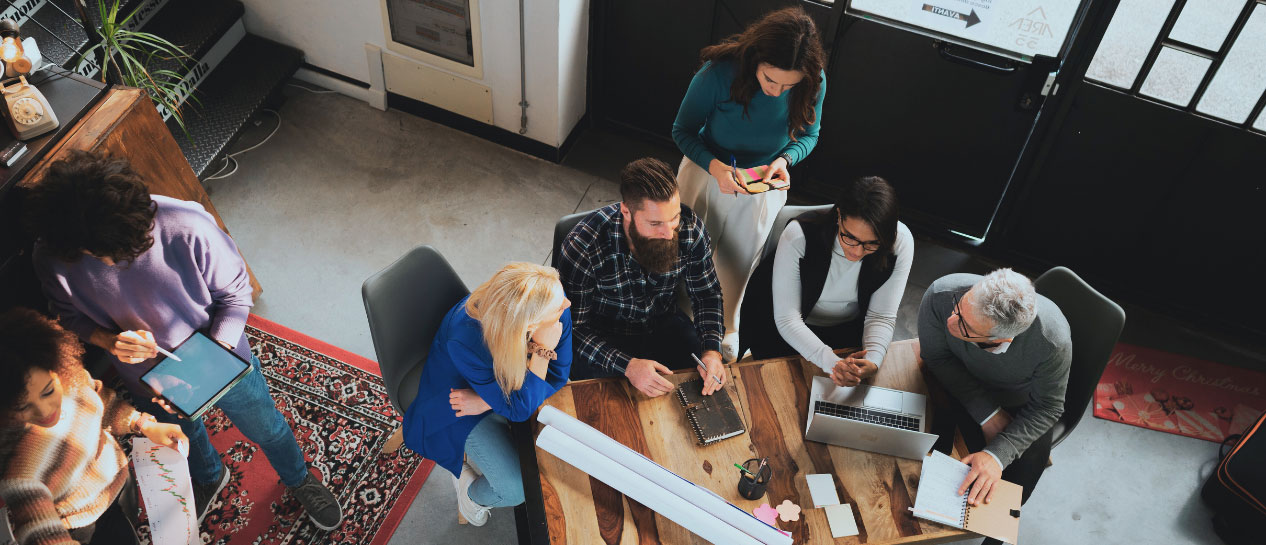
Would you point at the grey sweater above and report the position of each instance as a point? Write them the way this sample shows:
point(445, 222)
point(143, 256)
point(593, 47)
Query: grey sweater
point(1032, 373)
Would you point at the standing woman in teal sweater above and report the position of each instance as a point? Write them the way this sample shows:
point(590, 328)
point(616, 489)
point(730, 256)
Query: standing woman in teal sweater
point(755, 102)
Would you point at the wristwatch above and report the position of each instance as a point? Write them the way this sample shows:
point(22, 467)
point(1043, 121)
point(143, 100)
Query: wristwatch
point(786, 158)
point(536, 348)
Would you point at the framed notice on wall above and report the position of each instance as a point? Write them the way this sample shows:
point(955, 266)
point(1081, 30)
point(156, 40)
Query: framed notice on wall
point(441, 33)
point(1020, 29)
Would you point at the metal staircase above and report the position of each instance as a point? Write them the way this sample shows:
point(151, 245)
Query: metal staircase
point(232, 74)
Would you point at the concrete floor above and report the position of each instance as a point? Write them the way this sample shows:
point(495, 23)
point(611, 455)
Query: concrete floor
point(342, 189)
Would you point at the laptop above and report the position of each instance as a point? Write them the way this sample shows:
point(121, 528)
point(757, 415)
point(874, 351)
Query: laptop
point(869, 418)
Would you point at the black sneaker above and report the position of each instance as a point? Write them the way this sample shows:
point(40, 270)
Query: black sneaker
point(204, 494)
point(319, 502)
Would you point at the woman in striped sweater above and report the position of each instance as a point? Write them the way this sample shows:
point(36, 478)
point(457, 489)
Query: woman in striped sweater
point(62, 473)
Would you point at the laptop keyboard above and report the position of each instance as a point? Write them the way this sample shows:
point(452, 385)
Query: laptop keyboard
point(866, 415)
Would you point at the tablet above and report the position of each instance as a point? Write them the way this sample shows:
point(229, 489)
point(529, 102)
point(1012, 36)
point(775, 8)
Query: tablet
point(205, 373)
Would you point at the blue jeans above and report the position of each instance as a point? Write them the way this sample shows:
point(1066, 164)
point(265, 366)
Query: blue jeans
point(491, 450)
point(252, 410)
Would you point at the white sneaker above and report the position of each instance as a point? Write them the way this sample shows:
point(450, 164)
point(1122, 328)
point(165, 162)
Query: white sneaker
point(468, 511)
point(729, 347)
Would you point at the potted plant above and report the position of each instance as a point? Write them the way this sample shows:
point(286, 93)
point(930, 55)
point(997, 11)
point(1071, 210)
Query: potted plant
point(126, 55)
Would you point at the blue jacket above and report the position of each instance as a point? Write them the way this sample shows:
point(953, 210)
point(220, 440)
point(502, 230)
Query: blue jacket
point(460, 359)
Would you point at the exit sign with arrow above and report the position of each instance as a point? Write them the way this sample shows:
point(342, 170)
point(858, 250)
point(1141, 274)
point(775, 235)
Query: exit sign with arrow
point(970, 18)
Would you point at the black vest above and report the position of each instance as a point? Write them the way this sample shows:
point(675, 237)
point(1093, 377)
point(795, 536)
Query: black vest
point(819, 243)
point(821, 235)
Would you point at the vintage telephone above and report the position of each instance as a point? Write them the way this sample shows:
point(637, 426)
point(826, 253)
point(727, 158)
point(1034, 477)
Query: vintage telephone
point(26, 110)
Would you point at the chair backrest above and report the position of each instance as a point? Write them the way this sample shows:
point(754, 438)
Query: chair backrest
point(1095, 323)
point(785, 215)
point(405, 304)
point(564, 226)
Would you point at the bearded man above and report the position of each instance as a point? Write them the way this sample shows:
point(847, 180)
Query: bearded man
point(621, 267)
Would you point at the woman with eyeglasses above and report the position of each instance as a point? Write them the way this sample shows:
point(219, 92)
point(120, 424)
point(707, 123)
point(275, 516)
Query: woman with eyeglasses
point(835, 281)
point(756, 103)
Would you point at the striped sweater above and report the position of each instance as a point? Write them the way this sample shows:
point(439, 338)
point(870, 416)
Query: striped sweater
point(65, 477)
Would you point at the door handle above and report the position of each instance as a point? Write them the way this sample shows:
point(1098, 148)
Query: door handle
point(946, 51)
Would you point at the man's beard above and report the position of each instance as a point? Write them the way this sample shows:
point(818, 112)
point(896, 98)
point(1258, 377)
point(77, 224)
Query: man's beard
point(657, 255)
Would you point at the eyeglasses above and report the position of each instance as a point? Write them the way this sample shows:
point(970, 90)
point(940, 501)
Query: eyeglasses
point(853, 242)
point(962, 324)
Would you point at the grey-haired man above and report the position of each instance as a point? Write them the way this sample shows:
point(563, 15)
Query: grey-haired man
point(1002, 353)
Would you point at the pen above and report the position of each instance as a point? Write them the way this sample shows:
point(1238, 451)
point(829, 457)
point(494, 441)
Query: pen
point(749, 475)
point(699, 362)
point(734, 172)
point(166, 353)
point(761, 468)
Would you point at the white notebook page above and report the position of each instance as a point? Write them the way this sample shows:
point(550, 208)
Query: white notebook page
point(938, 497)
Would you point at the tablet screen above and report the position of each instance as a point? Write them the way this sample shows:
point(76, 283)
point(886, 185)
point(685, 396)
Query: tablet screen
point(206, 368)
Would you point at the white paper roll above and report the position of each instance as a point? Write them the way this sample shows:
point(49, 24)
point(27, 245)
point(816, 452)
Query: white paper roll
point(714, 505)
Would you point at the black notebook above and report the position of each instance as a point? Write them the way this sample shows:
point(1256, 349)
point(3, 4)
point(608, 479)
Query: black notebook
point(713, 417)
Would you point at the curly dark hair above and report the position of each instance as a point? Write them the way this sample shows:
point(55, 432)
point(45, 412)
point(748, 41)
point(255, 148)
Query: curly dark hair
point(91, 202)
point(787, 39)
point(28, 341)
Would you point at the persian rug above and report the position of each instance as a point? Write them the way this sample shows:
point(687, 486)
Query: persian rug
point(1177, 394)
point(338, 408)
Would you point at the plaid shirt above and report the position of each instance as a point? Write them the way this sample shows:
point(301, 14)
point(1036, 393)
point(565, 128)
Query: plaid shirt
point(610, 292)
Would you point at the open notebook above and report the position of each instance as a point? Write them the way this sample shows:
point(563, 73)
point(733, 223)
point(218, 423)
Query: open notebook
point(938, 500)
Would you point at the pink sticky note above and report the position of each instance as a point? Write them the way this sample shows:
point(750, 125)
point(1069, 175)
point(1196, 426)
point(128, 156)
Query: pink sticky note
point(766, 514)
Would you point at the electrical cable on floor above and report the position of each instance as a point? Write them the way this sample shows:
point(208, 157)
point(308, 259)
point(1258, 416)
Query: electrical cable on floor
point(231, 158)
point(309, 89)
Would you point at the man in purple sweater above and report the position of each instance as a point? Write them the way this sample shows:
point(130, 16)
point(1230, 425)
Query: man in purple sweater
point(129, 272)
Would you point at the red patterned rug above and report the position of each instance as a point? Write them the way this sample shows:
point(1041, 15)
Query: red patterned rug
point(338, 408)
point(1177, 394)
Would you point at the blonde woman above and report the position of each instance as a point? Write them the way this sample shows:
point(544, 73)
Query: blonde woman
point(498, 354)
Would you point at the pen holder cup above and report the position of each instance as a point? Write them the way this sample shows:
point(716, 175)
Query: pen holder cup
point(754, 488)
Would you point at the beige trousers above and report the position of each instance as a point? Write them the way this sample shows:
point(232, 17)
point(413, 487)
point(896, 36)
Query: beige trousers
point(737, 226)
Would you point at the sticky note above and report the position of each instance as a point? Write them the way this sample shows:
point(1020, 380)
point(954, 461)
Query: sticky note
point(822, 488)
point(766, 514)
point(749, 175)
point(840, 517)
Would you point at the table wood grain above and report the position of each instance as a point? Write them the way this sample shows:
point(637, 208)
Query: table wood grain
point(773, 398)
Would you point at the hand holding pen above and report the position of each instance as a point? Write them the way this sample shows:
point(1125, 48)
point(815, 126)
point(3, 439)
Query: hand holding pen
point(713, 376)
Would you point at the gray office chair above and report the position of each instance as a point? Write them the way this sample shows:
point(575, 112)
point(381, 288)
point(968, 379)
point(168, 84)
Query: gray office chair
point(785, 215)
point(564, 226)
point(405, 304)
point(1095, 323)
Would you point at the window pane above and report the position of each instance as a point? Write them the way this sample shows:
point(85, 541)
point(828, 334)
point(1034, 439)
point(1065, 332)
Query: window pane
point(1129, 37)
point(1175, 76)
point(1242, 76)
point(1204, 23)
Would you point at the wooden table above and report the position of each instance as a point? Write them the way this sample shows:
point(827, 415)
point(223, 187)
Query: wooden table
point(773, 397)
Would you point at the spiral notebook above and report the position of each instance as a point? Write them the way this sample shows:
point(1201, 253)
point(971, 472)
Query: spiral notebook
point(712, 417)
point(938, 500)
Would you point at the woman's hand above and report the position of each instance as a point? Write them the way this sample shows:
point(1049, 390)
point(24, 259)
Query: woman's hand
point(167, 435)
point(724, 175)
point(549, 335)
point(466, 402)
point(777, 170)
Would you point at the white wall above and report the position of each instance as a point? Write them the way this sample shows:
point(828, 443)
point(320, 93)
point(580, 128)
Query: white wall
point(331, 34)
point(573, 61)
